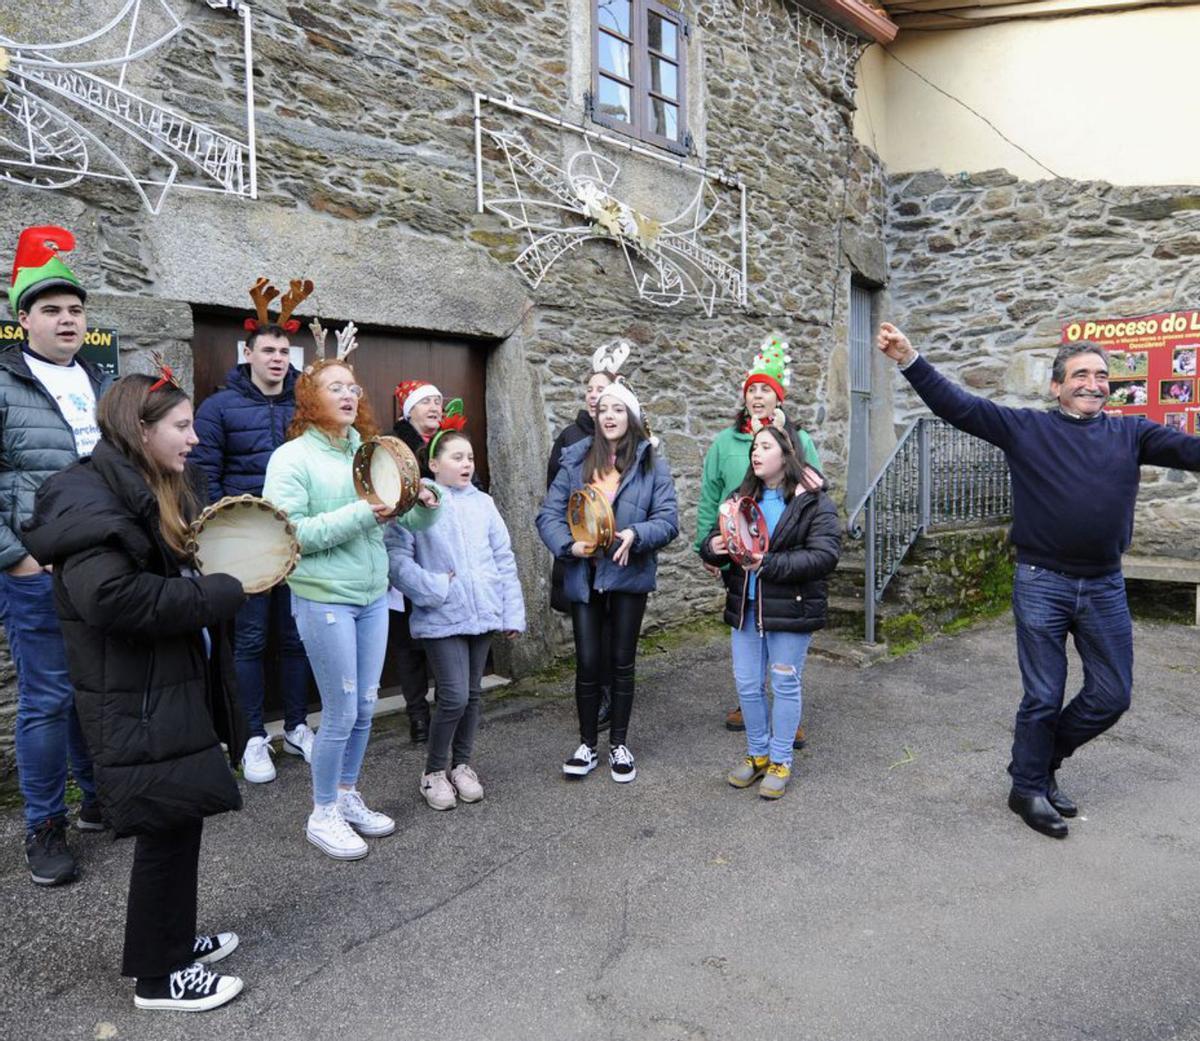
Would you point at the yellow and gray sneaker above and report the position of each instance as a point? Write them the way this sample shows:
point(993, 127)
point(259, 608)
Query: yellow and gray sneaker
point(750, 770)
point(776, 781)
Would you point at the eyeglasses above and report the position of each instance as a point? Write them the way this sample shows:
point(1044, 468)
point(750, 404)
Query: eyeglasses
point(339, 388)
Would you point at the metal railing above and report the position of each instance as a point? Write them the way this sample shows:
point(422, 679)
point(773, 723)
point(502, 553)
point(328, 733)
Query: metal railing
point(936, 475)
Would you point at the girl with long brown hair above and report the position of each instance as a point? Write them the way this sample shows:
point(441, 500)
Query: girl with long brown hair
point(149, 656)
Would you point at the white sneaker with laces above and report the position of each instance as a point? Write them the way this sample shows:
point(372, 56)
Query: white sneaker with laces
point(362, 819)
point(466, 783)
point(438, 791)
point(620, 764)
point(194, 989)
point(208, 949)
point(582, 763)
point(329, 832)
point(299, 741)
point(257, 767)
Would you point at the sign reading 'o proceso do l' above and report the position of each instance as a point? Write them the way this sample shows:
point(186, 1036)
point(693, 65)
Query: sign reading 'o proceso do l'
point(100, 346)
point(1152, 364)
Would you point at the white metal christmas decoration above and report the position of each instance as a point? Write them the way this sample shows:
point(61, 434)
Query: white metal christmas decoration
point(609, 357)
point(66, 113)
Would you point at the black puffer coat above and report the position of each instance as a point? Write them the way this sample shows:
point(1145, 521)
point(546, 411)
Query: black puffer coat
point(153, 706)
point(35, 442)
point(791, 593)
point(584, 426)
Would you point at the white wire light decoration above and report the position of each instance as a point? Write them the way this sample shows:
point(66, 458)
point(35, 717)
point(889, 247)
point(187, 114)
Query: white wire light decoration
point(562, 207)
point(64, 117)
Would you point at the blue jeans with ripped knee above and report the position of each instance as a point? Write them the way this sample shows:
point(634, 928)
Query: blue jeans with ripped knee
point(780, 655)
point(346, 645)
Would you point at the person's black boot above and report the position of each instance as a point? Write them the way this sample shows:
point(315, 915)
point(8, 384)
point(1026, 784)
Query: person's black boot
point(602, 720)
point(1036, 811)
point(418, 729)
point(1060, 800)
point(48, 856)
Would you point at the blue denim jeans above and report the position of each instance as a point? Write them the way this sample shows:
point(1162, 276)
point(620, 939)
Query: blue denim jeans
point(47, 731)
point(346, 646)
point(259, 615)
point(1048, 606)
point(780, 654)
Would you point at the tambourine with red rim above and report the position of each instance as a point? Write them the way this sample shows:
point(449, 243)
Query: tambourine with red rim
point(590, 518)
point(744, 529)
point(386, 474)
point(246, 537)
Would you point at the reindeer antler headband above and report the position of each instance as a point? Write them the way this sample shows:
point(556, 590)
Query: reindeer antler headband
point(262, 293)
point(609, 357)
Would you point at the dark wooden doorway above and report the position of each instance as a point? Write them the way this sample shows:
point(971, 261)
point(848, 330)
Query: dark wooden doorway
point(384, 358)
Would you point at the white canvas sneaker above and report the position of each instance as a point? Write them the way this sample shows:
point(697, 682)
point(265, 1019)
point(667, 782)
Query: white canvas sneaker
point(257, 767)
point(582, 763)
point(362, 819)
point(466, 783)
point(299, 741)
point(328, 831)
point(438, 791)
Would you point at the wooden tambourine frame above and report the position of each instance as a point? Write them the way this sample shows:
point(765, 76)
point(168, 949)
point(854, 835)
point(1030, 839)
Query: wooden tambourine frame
point(377, 485)
point(246, 537)
point(590, 518)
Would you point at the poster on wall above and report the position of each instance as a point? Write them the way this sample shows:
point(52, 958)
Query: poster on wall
point(100, 346)
point(1152, 362)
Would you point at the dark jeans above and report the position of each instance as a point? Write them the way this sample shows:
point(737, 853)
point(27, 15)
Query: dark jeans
point(47, 731)
point(160, 922)
point(1047, 606)
point(606, 635)
point(259, 615)
point(409, 655)
point(458, 663)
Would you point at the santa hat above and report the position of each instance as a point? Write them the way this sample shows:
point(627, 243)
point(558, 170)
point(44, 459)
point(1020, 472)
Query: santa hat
point(770, 366)
point(410, 392)
point(37, 269)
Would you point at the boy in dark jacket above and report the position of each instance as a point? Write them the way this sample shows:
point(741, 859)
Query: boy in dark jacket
point(239, 427)
point(47, 422)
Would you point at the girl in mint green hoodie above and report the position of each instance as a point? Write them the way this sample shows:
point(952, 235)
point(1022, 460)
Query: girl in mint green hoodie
point(339, 594)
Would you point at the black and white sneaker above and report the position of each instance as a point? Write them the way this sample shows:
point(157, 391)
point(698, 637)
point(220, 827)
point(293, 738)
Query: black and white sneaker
point(90, 818)
point(582, 763)
point(194, 989)
point(620, 763)
point(208, 949)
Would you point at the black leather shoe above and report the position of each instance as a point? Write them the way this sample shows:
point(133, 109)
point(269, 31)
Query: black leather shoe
point(1036, 811)
point(1060, 800)
point(418, 731)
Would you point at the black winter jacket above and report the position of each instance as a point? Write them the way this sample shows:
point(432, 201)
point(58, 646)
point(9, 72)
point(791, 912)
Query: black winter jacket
point(35, 442)
point(239, 427)
point(407, 433)
point(153, 706)
point(791, 594)
point(584, 426)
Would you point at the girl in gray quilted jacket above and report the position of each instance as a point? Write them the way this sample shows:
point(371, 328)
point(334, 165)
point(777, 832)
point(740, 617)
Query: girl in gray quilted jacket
point(461, 577)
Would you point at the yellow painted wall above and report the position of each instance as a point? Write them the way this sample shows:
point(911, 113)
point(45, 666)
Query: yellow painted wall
point(1113, 97)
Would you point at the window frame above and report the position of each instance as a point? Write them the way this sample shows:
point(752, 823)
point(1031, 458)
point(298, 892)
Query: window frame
point(640, 91)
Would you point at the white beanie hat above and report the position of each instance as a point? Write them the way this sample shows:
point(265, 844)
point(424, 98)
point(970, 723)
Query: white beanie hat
point(620, 390)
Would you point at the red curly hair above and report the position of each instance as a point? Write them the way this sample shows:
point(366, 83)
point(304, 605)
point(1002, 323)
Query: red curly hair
point(310, 409)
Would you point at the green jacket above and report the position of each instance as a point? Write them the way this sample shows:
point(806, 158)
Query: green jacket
point(725, 468)
point(342, 557)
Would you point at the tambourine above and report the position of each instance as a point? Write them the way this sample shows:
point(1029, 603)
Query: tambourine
point(744, 529)
point(247, 537)
point(386, 474)
point(590, 517)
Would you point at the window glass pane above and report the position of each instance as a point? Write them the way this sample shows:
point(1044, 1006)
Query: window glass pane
point(664, 118)
point(663, 36)
point(614, 100)
point(614, 14)
point(614, 56)
point(664, 77)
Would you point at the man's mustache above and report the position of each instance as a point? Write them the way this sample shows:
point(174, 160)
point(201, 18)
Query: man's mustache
point(1090, 394)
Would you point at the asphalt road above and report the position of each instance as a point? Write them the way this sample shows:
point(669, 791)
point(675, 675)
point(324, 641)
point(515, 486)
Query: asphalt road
point(890, 895)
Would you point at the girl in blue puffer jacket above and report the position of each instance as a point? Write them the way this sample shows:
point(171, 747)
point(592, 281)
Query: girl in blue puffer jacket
point(461, 577)
point(610, 587)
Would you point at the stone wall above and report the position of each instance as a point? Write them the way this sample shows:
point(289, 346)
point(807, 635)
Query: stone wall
point(985, 269)
point(366, 178)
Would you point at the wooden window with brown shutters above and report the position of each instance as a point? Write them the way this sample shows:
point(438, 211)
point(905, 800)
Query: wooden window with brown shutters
point(639, 71)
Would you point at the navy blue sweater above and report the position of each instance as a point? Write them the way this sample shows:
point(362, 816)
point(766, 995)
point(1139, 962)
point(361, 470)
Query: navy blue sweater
point(239, 427)
point(1074, 481)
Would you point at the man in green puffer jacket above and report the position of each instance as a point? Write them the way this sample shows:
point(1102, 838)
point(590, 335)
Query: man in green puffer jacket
point(47, 422)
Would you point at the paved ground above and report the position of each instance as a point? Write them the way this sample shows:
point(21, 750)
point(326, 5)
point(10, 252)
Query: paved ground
point(890, 895)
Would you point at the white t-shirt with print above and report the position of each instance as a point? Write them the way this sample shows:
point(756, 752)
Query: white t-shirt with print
point(70, 387)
